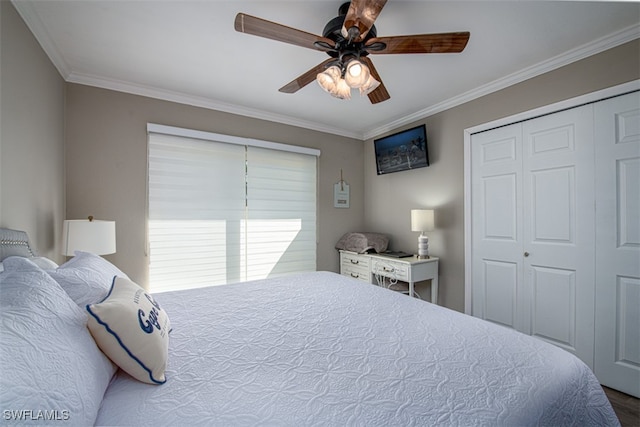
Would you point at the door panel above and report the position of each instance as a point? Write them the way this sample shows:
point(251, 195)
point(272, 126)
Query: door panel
point(553, 205)
point(558, 229)
point(617, 311)
point(628, 304)
point(554, 306)
point(500, 279)
point(557, 138)
point(497, 225)
point(628, 209)
point(500, 207)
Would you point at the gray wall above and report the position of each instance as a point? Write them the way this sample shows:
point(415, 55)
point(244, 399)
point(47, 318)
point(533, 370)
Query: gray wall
point(105, 153)
point(31, 137)
point(106, 149)
point(389, 198)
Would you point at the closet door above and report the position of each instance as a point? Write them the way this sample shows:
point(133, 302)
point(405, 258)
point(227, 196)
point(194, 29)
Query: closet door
point(497, 226)
point(617, 354)
point(558, 229)
point(533, 228)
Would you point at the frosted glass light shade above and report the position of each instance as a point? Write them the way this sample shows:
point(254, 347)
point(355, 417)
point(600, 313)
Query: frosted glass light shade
point(343, 91)
point(95, 236)
point(357, 74)
point(371, 85)
point(329, 78)
point(422, 220)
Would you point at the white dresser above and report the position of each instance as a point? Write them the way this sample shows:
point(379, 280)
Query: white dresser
point(383, 270)
point(355, 265)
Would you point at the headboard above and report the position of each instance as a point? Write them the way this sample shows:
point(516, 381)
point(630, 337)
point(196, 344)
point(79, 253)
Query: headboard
point(14, 242)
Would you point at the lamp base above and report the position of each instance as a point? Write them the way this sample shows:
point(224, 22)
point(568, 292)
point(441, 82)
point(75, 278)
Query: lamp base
point(423, 246)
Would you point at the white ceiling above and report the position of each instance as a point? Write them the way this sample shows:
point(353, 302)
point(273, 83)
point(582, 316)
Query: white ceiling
point(188, 51)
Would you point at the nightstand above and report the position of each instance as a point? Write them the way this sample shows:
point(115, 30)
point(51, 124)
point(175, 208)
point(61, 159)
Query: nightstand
point(410, 269)
point(370, 267)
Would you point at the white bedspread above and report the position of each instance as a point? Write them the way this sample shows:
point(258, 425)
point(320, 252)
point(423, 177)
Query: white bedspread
point(325, 350)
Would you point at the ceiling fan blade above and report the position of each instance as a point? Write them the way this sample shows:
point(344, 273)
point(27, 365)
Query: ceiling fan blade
point(261, 27)
point(421, 43)
point(306, 78)
point(362, 14)
point(380, 93)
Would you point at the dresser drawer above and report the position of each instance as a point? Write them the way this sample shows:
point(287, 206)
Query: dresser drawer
point(355, 266)
point(356, 273)
point(390, 269)
point(354, 260)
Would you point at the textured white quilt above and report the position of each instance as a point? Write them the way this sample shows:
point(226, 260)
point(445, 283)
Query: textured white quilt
point(324, 350)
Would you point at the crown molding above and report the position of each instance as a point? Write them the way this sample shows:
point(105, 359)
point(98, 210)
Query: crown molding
point(202, 102)
point(37, 28)
point(599, 45)
point(28, 14)
point(34, 23)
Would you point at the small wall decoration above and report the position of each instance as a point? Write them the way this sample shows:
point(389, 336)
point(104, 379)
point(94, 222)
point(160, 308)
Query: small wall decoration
point(341, 193)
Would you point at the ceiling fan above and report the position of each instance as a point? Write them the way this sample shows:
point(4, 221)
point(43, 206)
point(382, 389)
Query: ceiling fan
point(348, 39)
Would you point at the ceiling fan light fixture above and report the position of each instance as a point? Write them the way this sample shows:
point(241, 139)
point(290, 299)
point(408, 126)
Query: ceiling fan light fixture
point(350, 36)
point(329, 78)
point(357, 74)
point(370, 85)
point(342, 91)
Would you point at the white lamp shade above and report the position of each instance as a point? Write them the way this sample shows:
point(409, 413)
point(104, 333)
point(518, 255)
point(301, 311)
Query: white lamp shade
point(97, 237)
point(422, 220)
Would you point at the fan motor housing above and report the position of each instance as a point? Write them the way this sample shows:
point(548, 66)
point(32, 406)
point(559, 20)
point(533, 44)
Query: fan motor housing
point(333, 31)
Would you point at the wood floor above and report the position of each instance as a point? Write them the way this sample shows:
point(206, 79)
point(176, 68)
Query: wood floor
point(627, 407)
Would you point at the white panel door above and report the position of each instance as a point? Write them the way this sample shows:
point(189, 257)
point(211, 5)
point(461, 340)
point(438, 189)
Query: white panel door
point(533, 228)
point(558, 229)
point(617, 330)
point(497, 225)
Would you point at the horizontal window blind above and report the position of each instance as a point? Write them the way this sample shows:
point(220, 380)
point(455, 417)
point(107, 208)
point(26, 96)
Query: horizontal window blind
point(281, 213)
point(226, 212)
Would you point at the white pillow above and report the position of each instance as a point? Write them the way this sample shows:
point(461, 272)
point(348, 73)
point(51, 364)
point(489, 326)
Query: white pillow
point(40, 261)
point(50, 364)
point(86, 277)
point(132, 329)
point(44, 263)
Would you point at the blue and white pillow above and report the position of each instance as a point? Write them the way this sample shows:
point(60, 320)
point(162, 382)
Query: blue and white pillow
point(132, 329)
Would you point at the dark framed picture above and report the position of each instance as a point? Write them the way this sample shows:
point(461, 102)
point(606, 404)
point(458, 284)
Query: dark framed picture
point(402, 151)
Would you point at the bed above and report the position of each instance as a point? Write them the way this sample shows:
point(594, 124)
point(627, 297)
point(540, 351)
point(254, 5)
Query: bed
point(310, 349)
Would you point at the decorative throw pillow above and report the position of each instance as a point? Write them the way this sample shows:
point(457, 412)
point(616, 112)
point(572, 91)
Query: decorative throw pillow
point(86, 277)
point(50, 366)
point(132, 329)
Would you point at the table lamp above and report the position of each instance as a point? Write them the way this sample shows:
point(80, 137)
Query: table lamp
point(422, 220)
point(88, 235)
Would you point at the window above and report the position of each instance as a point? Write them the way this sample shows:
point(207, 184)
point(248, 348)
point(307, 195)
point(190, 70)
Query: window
point(225, 209)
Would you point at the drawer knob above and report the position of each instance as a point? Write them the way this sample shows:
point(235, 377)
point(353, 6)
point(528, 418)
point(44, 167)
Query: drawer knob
point(353, 261)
